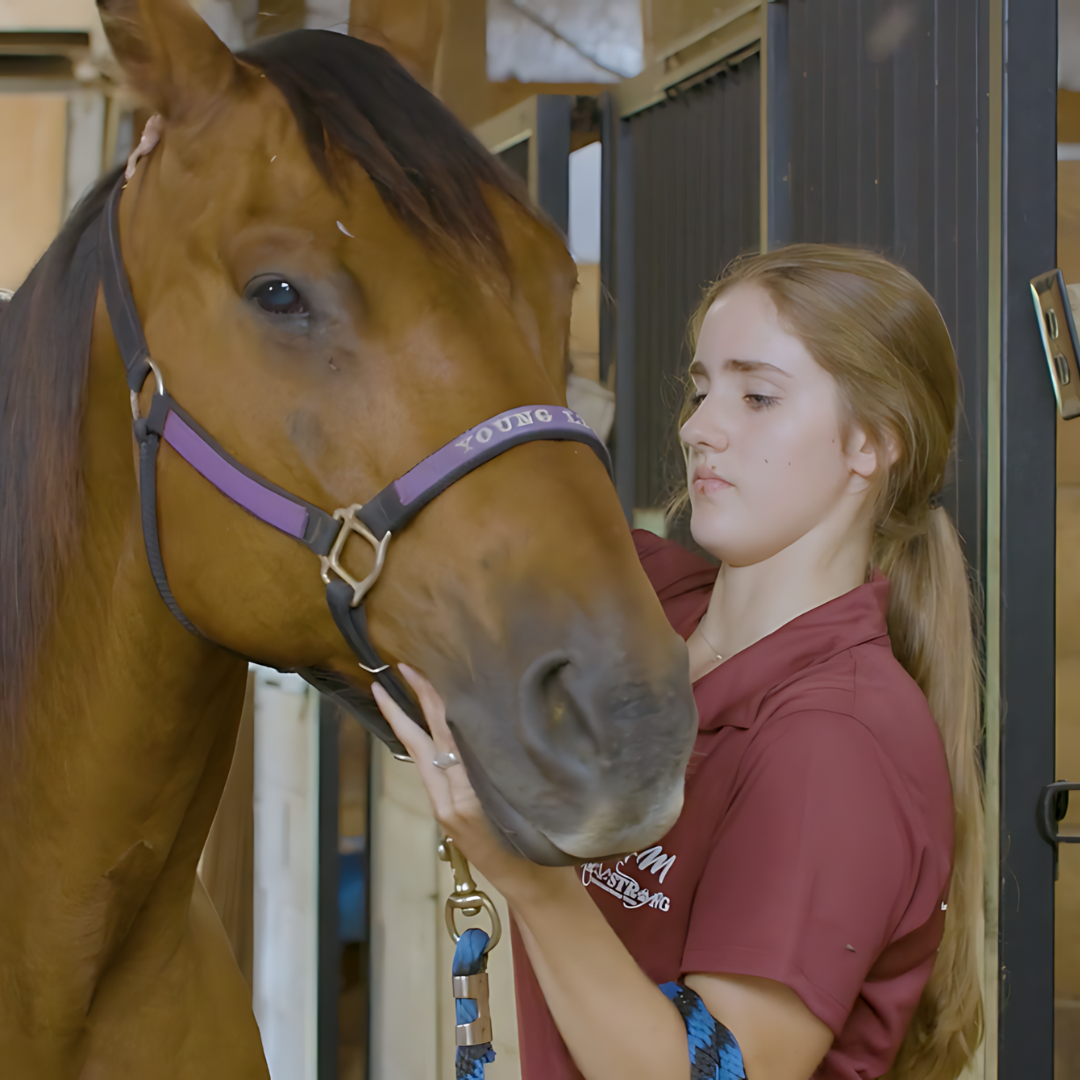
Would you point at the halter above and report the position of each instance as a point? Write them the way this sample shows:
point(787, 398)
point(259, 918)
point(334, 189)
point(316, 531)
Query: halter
point(325, 535)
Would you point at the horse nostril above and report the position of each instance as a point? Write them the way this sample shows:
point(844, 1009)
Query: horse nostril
point(556, 699)
point(558, 723)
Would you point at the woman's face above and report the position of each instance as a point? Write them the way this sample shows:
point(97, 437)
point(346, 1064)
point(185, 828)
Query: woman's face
point(768, 464)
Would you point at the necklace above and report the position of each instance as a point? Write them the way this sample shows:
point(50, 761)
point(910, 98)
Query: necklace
point(716, 652)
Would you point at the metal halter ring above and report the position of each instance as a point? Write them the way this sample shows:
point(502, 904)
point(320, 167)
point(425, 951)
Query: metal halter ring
point(350, 523)
point(160, 389)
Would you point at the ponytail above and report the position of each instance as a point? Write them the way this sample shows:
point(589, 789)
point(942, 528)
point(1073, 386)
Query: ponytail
point(930, 619)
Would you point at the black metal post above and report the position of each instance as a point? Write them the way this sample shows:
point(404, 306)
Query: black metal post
point(608, 127)
point(1028, 495)
point(625, 418)
point(329, 950)
point(552, 149)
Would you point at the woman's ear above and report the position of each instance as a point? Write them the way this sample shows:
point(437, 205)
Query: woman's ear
point(169, 53)
point(864, 455)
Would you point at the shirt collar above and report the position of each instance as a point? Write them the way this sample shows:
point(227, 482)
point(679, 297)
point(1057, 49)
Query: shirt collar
point(731, 694)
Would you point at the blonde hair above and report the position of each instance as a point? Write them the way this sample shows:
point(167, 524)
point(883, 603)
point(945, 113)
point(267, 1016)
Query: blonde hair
point(876, 330)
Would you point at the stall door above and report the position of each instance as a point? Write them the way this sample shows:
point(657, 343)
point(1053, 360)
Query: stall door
point(688, 203)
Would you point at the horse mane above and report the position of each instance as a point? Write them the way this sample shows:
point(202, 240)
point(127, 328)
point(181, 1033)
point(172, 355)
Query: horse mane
point(353, 98)
point(347, 97)
point(44, 351)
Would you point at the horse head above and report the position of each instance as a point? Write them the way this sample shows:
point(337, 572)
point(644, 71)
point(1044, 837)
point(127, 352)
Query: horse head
point(336, 280)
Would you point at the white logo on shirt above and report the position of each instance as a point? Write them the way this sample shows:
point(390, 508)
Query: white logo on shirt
point(623, 887)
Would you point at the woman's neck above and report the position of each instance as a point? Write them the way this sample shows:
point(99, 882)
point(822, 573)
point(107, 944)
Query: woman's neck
point(750, 602)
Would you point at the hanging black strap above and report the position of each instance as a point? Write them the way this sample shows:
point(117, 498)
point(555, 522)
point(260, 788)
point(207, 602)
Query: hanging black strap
point(352, 622)
point(148, 452)
point(124, 316)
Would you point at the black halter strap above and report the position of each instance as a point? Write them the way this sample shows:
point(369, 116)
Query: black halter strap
point(325, 535)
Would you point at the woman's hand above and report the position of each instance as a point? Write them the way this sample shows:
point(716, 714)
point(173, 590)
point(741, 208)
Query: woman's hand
point(453, 800)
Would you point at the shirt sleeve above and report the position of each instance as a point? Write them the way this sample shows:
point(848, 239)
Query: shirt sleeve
point(811, 868)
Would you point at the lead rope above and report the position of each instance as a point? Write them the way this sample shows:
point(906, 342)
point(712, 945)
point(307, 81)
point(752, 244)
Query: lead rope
point(714, 1052)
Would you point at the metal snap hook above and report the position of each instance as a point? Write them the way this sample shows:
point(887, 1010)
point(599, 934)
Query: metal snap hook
point(466, 897)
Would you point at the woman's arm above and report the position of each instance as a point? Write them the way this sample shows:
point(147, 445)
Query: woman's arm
point(614, 1020)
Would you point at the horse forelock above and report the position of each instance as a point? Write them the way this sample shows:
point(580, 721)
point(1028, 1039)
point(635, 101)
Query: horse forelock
point(44, 350)
point(351, 97)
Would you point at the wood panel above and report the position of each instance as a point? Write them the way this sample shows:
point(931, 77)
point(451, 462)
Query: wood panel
point(33, 134)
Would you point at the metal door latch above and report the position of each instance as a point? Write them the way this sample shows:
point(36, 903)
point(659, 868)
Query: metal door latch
point(1052, 807)
point(1060, 343)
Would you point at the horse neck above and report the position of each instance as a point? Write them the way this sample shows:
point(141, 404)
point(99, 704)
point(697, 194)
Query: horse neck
point(123, 749)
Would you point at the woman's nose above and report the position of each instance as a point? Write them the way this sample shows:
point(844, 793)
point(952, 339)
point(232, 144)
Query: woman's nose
point(705, 430)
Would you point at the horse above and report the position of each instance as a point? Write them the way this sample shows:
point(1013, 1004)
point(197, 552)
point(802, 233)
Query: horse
point(335, 280)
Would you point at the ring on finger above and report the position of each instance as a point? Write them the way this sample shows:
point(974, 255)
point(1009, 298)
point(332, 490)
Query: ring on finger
point(447, 760)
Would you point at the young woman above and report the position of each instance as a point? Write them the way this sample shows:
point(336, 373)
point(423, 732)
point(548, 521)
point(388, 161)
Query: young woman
point(822, 890)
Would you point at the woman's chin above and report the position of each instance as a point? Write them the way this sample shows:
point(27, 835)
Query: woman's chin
point(715, 538)
point(708, 537)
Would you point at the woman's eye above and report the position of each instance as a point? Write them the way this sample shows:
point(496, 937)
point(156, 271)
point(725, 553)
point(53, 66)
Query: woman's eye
point(761, 401)
point(278, 297)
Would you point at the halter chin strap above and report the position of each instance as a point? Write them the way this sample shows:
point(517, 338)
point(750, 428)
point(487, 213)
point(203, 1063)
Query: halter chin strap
point(325, 535)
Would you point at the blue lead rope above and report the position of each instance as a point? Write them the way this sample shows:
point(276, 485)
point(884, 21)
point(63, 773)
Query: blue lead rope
point(470, 959)
point(714, 1053)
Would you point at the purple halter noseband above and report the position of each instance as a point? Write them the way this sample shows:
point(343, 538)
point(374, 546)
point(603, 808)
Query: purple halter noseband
point(326, 535)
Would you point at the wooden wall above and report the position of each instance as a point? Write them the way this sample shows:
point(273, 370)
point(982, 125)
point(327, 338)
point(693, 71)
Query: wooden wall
point(1067, 915)
point(33, 133)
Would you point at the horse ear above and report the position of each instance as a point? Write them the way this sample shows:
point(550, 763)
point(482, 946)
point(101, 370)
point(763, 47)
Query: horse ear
point(168, 52)
point(410, 30)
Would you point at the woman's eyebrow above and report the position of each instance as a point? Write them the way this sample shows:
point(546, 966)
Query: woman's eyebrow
point(755, 366)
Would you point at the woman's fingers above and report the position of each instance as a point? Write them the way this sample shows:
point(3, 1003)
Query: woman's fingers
point(461, 790)
point(433, 707)
point(422, 750)
point(456, 807)
point(411, 734)
point(449, 790)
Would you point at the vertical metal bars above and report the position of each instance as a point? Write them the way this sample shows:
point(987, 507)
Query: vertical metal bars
point(888, 143)
point(695, 167)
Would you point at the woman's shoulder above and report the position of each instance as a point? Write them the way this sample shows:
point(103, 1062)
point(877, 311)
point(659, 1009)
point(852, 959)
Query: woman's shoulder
point(864, 713)
point(672, 570)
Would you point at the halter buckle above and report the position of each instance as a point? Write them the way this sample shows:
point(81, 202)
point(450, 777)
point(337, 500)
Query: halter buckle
point(350, 523)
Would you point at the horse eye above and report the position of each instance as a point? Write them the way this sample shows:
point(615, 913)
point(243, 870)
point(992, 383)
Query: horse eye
point(278, 297)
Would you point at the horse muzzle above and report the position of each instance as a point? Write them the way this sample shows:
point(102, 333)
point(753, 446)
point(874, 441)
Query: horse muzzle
point(593, 763)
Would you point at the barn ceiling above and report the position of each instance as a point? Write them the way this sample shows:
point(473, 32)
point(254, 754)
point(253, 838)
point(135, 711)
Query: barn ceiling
point(563, 40)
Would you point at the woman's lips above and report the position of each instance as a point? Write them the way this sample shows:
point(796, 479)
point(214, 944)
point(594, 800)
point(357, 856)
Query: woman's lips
point(707, 484)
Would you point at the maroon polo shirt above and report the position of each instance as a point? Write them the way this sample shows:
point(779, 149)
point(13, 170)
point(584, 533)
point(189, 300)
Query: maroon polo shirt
point(815, 844)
